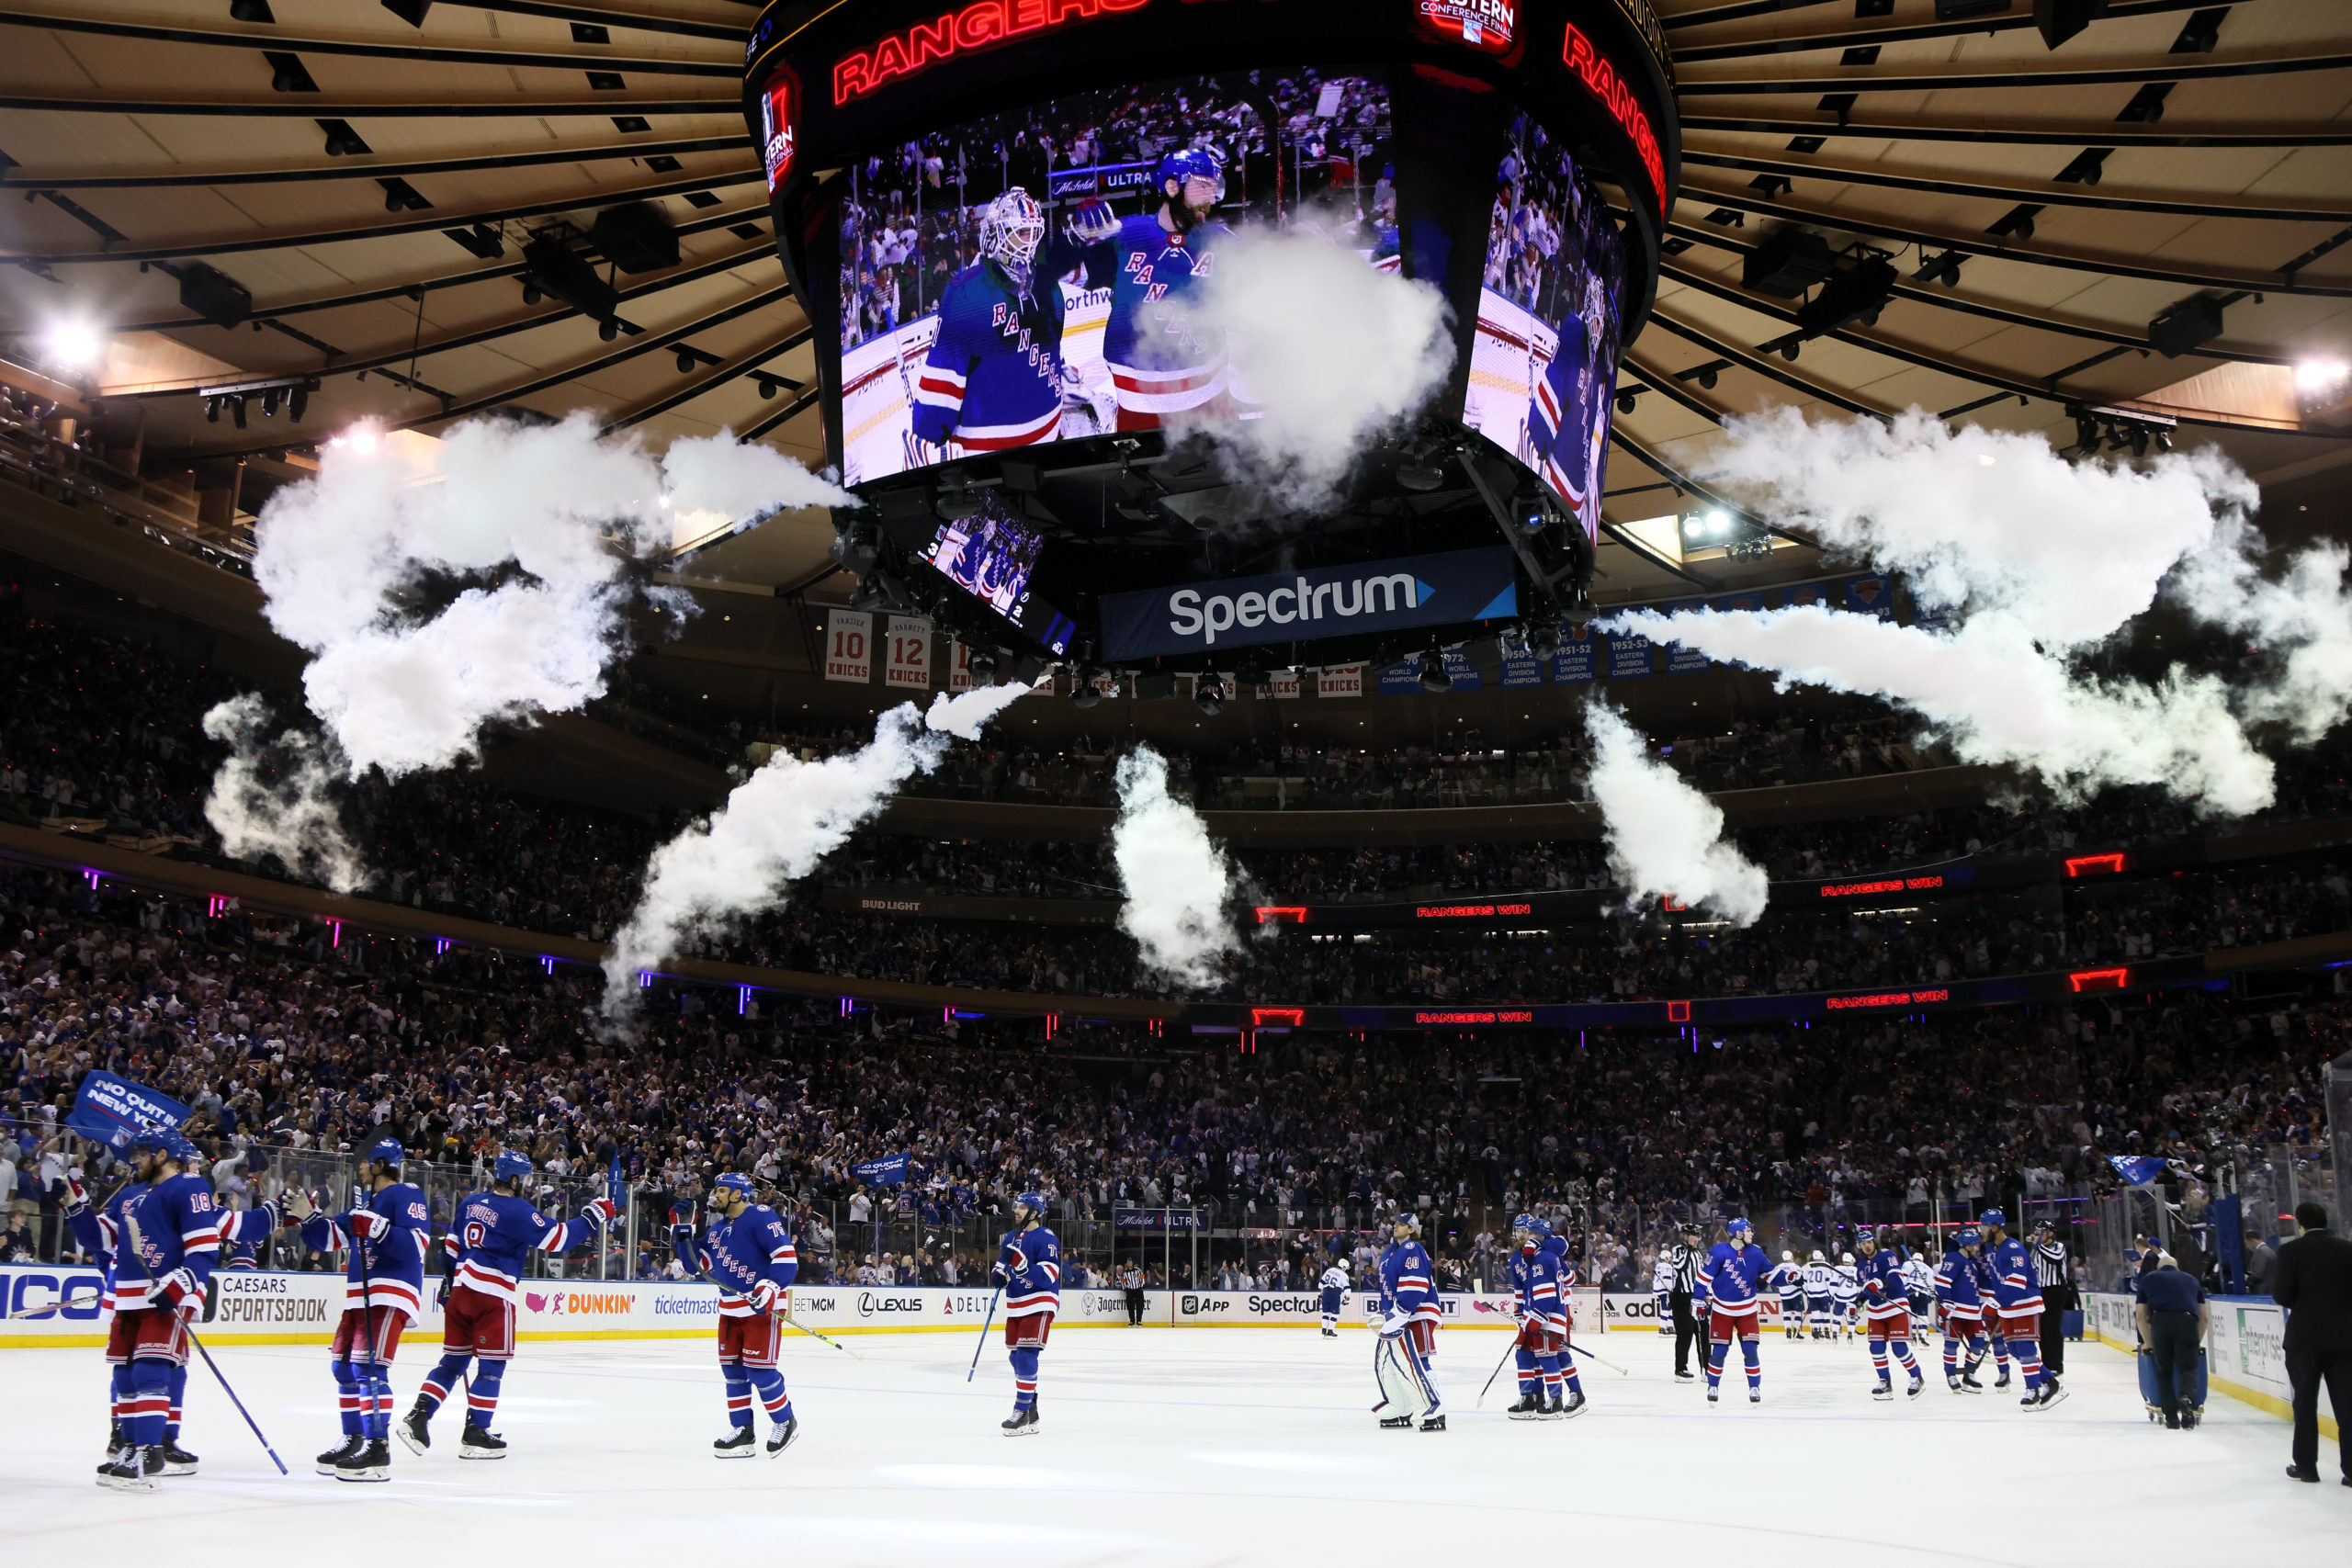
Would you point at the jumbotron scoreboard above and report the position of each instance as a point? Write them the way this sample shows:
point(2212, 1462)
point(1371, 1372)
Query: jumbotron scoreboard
point(1002, 216)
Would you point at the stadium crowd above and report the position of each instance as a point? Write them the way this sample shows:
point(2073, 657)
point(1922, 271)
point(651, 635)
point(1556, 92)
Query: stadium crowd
point(283, 1043)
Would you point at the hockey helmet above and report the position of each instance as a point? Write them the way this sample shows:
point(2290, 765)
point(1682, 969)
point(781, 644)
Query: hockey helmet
point(1868, 1242)
point(387, 1151)
point(510, 1166)
point(1185, 165)
point(1533, 1225)
point(1692, 1227)
point(1011, 231)
point(1739, 1227)
point(734, 1181)
point(1788, 1257)
point(1968, 1240)
point(1846, 1257)
point(1816, 1256)
point(172, 1144)
point(1993, 1219)
point(1032, 1201)
point(149, 1140)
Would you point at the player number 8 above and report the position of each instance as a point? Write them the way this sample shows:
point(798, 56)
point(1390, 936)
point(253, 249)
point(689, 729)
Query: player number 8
point(476, 1234)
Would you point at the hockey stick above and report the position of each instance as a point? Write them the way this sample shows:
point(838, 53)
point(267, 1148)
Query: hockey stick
point(238, 1403)
point(985, 1323)
point(139, 1244)
point(1509, 1351)
point(814, 1335)
point(1576, 1349)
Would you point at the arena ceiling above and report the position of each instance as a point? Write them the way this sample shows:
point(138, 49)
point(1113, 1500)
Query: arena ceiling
point(370, 172)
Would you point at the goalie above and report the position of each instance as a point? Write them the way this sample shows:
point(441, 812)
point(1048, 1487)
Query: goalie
point(1407, 1342)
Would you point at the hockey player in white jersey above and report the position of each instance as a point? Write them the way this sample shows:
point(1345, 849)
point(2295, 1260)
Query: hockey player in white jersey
point(1820, 1296)
point(1788, 1280)
point(1662, 1290)
point(1850, 1293)
point(1334, 1285)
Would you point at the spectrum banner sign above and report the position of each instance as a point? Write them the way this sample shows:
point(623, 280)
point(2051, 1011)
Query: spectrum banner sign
point(1451, 589)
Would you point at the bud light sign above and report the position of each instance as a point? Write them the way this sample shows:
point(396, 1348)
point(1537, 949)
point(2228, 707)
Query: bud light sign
point(1376, 596)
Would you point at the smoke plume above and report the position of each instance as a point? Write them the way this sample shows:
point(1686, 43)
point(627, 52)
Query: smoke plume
point(1175, 876)
point(2040, 561)
point(1665, 837)
point(536, 530)
point(776, 827)
point(271, 797)
point(1327, 353)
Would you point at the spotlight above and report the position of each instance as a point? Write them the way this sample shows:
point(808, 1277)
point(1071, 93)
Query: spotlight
point(531, 294)
point(2313, 377)
point(1790, 349)
point(1083, 693)
point(269, 403)
point(766, 386)
point(608, 330)
point(1718, 521)
point(1433, 676)
point(1580, 610)
point(75, 342)
point(956, 504)
point(1707, 379)
point(2085, 433)
point(983, 669)
point(212, 410)
point(298, 404)
point(2164, 440)
point(1420, 477)
point(1209, 691)
point(2139, 441)
point(686, 361)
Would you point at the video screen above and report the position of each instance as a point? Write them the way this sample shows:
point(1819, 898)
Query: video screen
point(990, 555)
point(1544, 372)
point(1022, 278)
point(778, 140)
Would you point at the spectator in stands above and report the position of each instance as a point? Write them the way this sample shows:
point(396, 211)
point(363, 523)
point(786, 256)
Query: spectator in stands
point(2315, 1284)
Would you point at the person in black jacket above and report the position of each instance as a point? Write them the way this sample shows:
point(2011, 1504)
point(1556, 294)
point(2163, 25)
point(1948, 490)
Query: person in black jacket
point(2313, 1282)
point(1686, 1258)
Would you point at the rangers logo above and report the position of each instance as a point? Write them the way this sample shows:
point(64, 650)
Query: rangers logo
point(1488, 25)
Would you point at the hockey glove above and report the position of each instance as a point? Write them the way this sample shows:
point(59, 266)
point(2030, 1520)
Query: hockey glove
point(76, 1198)
point(766, 1298)
point(300, 1206)
point(1093, 222)
point(367, 1225)
point(1393, 1323)
point(598, 1212)
point(176, 1292)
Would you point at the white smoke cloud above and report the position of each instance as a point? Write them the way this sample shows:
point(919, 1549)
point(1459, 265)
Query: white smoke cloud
point(1664, 836)
point(1175, 876)
point(2042, 560)
point(1327, 353)
point(776, 826)
point(271, 797)
point(540, 523)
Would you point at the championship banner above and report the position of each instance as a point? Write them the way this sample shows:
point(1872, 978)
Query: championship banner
point(1872, 596)
point(849, 646)
point(909, 653)
point(1577, 662)
point(1339, 680)
point(1629, 657)
point(1682, 661)
point(110, 1109)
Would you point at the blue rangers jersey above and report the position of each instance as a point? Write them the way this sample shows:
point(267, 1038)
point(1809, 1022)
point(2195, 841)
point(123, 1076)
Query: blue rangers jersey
point(1408, 1285)
point(1958, 1283)
point(1535, 1279)
point(169, 1225)
point(1885, 1282)
point(1032, 1264)
point(2016, 1287)
point(385, 1237)
point(1730, 1279)
point(993, 378)
point(1162, 360)
point(495, 1233)
point(243, 1233)
point(739, 1255)
point(101, 1235)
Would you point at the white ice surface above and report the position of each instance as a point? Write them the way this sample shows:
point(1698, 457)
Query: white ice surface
point(1175, 1447)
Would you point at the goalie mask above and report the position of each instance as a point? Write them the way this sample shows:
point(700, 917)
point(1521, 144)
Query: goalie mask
point(1010, 231)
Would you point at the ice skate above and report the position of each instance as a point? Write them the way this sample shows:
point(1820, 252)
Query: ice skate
point(1968, 1384)
point(1686, 1377)
point(1574, 1405)
point(475, 1443)
point(1433, 1423)
point(1917, 1382)
point(335, 1456)
point(1755, 1396)
point(782, 1437)
point(2044, 1397)
point(116, 1453)
point(1714, 1396)
point(176, 1460)
point(1884, 1390)
point(371, 1460)
point(741, 1443)
point(1395, 1422)
point(1021, 1424)
point(132, 1472)
point(1528, 1408)
point(411, 1429)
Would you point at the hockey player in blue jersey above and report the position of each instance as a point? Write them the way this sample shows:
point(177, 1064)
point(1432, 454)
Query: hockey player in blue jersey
point(1539, 1285)
point(383, 1236)
point(993, 377)
point(1029, 1268)
point(1410, 1315)
point(168, 1240)
point(1959, 1295)
point(493, 1235)
point(1728, 1291)
point(1887, 1309)
point(2016, 1301)
point(1163, 360)
point(1565, 418)
point(747, 1252)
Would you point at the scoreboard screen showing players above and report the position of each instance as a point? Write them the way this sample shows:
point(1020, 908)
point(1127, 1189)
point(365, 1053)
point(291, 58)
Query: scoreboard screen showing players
point(1543, 368)
point(992, 555)
point(1023, 278)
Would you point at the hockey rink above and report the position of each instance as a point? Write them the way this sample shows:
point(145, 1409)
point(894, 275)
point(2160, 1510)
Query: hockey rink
point(1177, 1447)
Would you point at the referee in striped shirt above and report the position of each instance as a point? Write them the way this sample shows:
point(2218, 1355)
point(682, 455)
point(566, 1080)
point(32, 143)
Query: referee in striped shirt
point(2055, 1272)
point(1685, 1258)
